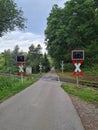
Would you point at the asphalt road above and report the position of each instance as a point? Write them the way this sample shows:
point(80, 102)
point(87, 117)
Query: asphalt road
point(42, 106)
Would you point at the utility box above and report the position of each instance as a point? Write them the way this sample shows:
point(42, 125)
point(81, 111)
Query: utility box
point(77, 55)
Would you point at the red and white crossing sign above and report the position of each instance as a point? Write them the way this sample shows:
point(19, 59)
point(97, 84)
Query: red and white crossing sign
point(77, 65)
point(21, 70)
point(77, 57)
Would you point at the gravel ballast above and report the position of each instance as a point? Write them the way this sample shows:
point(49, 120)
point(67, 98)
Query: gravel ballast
point(88, 113)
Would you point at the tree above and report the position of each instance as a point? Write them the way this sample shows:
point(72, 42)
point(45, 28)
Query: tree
point(96, 3)
point(13, 56)
point(46, 64)
point(10, 16)
point(55, 33)
point(73, 27)
point(34, 57)
point(38, 49)
point(6, 55)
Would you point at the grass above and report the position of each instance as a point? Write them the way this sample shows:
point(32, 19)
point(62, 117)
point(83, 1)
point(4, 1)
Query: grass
point(88, 94)
point(66, 74)
point(10, 86)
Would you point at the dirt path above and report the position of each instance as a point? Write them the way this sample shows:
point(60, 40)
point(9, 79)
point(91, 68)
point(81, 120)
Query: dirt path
point(87, 112)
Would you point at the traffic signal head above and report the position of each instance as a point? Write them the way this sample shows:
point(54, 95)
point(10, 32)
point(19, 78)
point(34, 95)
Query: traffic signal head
point(77, 54)
point(20, 59)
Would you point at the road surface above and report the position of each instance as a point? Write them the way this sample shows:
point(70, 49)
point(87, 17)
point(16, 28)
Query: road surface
point(42, 106)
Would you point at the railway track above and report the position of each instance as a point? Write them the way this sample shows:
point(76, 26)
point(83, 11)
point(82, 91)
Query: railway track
point(87, 83)
point(9, 74)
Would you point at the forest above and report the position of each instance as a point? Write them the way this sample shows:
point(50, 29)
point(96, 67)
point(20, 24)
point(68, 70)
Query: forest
point(73, 27)
point(33, 58)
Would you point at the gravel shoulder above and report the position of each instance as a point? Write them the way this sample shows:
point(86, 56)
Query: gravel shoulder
point(87, 112)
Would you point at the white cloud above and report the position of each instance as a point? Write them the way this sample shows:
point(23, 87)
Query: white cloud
point(23, 39)
point(36, 12)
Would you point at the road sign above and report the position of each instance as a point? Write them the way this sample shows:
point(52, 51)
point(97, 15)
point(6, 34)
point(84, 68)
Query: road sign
point(40, 66)
point(20, 63)
point(77, 55)
point(62, 66)
point(77, 65)
point(21, 70)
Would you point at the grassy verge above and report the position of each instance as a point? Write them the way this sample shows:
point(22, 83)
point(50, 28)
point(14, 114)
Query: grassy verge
point(86, 93)
point(9, 86)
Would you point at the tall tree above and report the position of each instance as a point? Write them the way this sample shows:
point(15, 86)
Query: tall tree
point(96, 3)
point(45, 63)
point(34, 57)
point(7, 56)
point(38, 48)
point(14, 55)
point(73, 27)
point(10, 16)
point(55, 33)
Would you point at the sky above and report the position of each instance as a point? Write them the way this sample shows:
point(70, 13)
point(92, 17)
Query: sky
point(36, 13)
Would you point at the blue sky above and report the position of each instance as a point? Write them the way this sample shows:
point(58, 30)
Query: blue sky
point(36, 13)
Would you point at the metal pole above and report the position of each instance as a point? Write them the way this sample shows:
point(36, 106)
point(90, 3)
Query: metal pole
point(77, 80)
point(22, 78)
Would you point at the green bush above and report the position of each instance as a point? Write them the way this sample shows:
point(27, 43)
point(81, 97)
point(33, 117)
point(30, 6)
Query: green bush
point(10, 86)
point(6, 82)
point(69, 67)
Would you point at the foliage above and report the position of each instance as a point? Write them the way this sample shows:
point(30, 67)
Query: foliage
point(92, 70)
point(73, 27)
point(69, 67)
point(11, 85)
point(10, 16)
point(34, 58)
point(14, 55)
point(2, 61)
point(45, 63)
point(5, 59)
point(9, 63)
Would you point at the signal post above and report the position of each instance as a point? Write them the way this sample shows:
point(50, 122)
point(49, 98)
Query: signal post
point(77, 57)
point(20, 63)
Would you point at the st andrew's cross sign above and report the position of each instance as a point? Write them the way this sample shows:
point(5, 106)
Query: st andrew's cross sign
point(77, 57)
